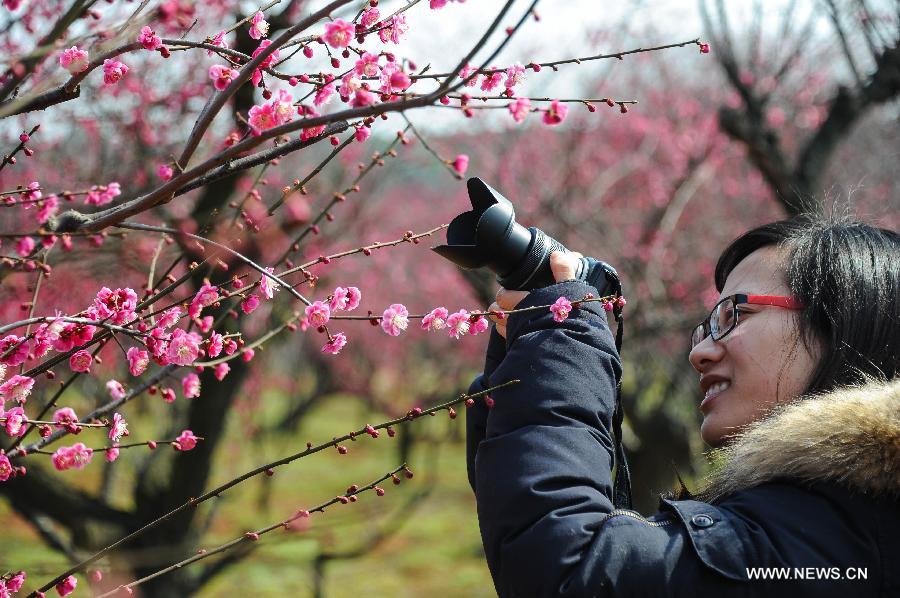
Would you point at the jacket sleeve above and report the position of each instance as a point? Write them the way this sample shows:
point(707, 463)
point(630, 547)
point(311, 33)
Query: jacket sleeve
point(476, 415)
point(544, 488)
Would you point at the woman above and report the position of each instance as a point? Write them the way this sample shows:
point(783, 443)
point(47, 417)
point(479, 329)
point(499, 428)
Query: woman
point(799, 376)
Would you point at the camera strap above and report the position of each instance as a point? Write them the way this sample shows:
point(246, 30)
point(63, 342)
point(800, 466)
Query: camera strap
point(622, 481)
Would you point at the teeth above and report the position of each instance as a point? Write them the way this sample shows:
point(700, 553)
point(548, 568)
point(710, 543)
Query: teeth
point(717, 388)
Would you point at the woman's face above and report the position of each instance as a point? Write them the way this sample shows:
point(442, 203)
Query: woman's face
point(762, 362)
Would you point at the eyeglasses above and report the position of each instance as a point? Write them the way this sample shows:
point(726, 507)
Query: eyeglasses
point(725, 315)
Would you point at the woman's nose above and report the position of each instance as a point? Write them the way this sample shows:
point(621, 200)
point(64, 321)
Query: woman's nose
point(706, 353)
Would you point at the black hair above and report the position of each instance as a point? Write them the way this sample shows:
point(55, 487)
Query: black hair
point(847, 275)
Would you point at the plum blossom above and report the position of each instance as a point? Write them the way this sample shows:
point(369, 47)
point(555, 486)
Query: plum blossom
point(48, 208)
point(218, 40)
point(353, 298)
point(318, 313)
point(479, 325)
point(259, 27)
point(461, 164)
point(323, 95)
point(435, 319)
point(31, 193)
point(112, 453)
point(15, 583)
point(395, 31)
point(514, 75)
point(169, 317)
point(337, 342)
point(363, 97)
point(395, 319)
point(249, 304)
point(362, 133)
point(206, 296)
point(74, 60)
point(168, 395)
point(67, 586)
point(149, 39)
point(116, 390)
point(466, 72)
point(113, 70)
point(556, 113)
point(230, 346)
point(221, 370)
point(184, 347)
point(339, 33)
point(491, 81)
point(119, 305)
point(458, 324)
point(268, 60)
point(25, 246)
point(190, 385)
point(367, 65)
point(221, 76)
point(262, 118)
point(215, 345)
point(284, 107)
point(349, 84)
point(138, 360)
point(15, 421)
point(77, 456)
point(310, 132)
point(185, 441)
point(16, 389)
point(119, 428)
point(561, 309)
point(369, 17)
point(6, 468)
point(99, 195)
point(339, 299)
point(81, 361)
point(13, 350)
point(520, 109)
point(65, 418)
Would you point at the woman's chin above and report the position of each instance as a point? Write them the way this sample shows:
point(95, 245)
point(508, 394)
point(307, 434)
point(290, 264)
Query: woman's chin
point(711, 433)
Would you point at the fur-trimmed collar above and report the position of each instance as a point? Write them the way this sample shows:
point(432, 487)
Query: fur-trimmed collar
point(850, 436)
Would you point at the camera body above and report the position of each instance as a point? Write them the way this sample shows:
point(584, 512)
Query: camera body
point(489, 236)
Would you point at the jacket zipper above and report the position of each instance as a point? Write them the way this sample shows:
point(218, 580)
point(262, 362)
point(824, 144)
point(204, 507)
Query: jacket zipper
point(635, 515)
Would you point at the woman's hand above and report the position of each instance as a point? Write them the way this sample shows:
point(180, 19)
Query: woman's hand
point(563, 266)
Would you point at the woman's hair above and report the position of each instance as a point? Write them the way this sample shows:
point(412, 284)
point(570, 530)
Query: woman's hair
point(847, 275)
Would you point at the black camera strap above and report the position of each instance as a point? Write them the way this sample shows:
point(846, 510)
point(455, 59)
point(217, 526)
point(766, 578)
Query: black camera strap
point(622, 481)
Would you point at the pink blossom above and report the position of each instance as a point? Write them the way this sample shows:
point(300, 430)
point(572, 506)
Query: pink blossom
point(119, 428)
point(168, 395)
point(112, 453)
point(399, 81)
point(397, 28)
point(77, 456)
point(353, 298)
point(556, 113)
point(6, 468)
point(491, 80)
point(561, 309)
point(138, 360)
point(337, 342)
point(16, 388)
point(268, 60)
point(15, 421)
point(458, 324)
point(230, 346)
point(284, 107)
point(70, 335)
point(435, 319)
point(395, 319)
point(218, 40)
point(184, 347)
point(13, 350)
point(65, 418)
point(99, 195)
point(81, 361)
point(221, 370)
point(15, 583)
point(221, 76)
point(249, 304)
point(367, 65)
point(362, 133)
point(119, 305)
point(165, 172)
point(171, 316)
point(157, 344)
point(48, 208)
point(149, 39)
point(267, 285)
point(259, 27)
point(185, 441)
point(479, 325)
point(67, 586)
point(116, 390)
point(74, 60)
point(310, 132)
point(204, 324)
point(369, 17)
point(465, 72)
point(704, 48)
point(262, 118)
point(514, 75)
point(215, 345)
point(461, 164)
point(323, 95)
point(190, 386)
point(363, 97)
point(24, 246)
point(318, 313)
point(32, 192)
point(339, 33)
point(349, 84)
point(113, 70)
point(520, 109)
point(339, 299)
point(436, 4)
point(206, 296)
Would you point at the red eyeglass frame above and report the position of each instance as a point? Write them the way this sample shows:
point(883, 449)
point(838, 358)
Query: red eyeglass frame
point(738, 299)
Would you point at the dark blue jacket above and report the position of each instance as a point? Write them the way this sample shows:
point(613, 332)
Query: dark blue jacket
point(539, 463)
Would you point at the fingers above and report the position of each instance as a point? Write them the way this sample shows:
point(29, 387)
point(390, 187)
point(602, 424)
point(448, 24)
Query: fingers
point(500, 322)
point(564, 264)
point(507, 299)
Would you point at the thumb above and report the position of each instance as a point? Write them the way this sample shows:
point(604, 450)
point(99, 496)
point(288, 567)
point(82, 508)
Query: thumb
point(564, 265)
